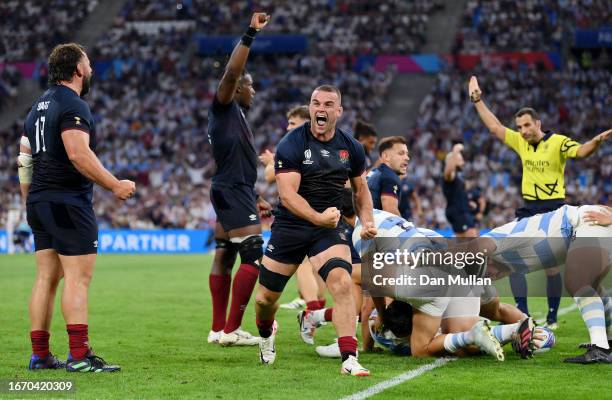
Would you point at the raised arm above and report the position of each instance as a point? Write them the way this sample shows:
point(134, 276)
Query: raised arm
point(592, 145)
point(454, 159)
point(235, 65)
point(76, 143)
point(487, 117)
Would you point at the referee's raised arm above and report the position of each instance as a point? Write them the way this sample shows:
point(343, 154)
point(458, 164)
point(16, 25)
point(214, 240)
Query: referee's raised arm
point(238, 59)
point(487, 117)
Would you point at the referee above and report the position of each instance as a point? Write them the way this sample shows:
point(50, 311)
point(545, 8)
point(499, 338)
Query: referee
point(543, 155)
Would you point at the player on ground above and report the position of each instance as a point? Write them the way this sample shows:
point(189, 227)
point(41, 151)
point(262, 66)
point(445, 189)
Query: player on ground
point(57, 166)
point(457, 204)
point(311, 289)
point(453, 311)
point(233, 196)
point(312, 164)
point(543, 155)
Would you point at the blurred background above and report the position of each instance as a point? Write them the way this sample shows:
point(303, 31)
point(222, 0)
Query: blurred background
point(401, 65)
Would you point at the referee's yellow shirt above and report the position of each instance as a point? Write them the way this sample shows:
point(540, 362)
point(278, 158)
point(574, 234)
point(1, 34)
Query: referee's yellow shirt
point(543, 164)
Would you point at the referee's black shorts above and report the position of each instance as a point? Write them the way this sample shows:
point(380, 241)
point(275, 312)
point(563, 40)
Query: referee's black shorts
point(70, 230)
point(534, 207)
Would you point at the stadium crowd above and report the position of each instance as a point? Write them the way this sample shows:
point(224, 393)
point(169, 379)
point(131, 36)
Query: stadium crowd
point(533, 25)
point(151, 107)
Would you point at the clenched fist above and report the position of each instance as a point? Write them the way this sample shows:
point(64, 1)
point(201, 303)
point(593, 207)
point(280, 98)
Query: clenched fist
point(329, 218)
point(124, 189)
point(368, 231)
point(259, 20)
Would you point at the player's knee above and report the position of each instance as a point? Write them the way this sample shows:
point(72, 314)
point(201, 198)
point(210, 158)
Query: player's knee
point(225, 257)
point(419, 351)
point(335, 264)
point(250, 248)
point(264, 298)
point(273, 281)
point(339, 283)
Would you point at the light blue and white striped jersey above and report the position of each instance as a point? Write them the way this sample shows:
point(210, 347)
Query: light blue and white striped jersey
point(542, 241)
point(391, 226)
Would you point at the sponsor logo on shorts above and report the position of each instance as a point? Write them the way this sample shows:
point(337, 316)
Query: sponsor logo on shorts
point(95, 243)
point(253, 217)
point(270, 248)
point(307, 156)
point(342, 236)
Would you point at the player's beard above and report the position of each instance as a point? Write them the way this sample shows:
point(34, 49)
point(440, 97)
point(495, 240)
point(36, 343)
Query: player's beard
point(86, 86)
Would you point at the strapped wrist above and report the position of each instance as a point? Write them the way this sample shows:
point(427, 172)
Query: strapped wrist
point(249, 36)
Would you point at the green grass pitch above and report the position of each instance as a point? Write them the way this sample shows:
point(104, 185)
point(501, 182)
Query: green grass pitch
point(151, 315)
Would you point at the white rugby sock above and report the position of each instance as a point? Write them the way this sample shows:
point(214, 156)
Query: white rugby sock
point(503, 333)
point(592, 310)
point(455, 341)
point(607, 303)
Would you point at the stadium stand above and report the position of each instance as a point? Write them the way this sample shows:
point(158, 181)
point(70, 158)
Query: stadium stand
point(151, 103)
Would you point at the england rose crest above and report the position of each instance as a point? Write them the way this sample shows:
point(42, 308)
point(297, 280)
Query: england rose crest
point(344, 156)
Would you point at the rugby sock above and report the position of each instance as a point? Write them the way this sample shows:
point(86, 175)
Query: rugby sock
point(264, 327)
point(554, 288)
point(78, 340)
point(607, 303)
point(503, 333)
point(518, 284)
point(242, 288)
point(40, 343)
point(313, 305)
point(592, 310)
point(321, 315)
point(219, 290)
point(348, 346)
point(455, 341)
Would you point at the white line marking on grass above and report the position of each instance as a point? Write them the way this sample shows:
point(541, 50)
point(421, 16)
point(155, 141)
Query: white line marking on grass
point(384, 385)
point(562, 311)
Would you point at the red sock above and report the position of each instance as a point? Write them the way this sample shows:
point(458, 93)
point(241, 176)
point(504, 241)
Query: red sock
point(322, 303)
point(242, 288)
point(78, 340)
point(219, 291)
point(348, 346)
point(265, 327)
point(313, 305)
point(40, 343)
point(328, 314)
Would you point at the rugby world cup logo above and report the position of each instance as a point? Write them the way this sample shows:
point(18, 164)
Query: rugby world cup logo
point(307, 155)
point(344, 156)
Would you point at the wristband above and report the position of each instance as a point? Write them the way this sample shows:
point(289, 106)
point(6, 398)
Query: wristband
point(249, 35)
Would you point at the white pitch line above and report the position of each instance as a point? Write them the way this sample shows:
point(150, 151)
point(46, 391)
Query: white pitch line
point(562, 311)
point(384, 385)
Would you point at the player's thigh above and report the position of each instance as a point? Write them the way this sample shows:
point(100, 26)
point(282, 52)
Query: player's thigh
point(48, 266)
point(220, 233)
point(277, 267)
point(424, 329)
point(460, 314)
point(288, 244)
point(273, 277)
point(78, 267)
point(335, 251)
